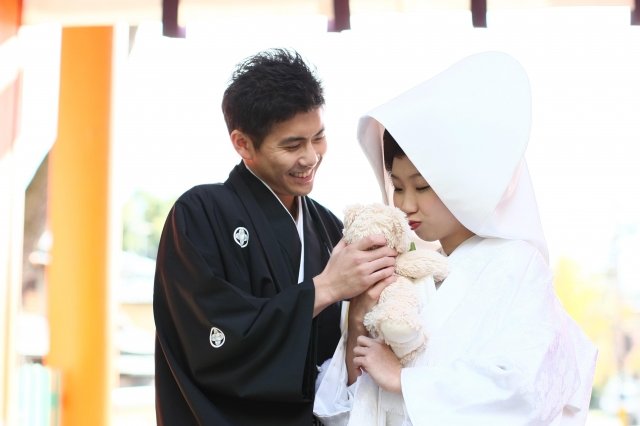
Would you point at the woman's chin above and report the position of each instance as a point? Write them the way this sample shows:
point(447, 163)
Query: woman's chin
point(426, 236)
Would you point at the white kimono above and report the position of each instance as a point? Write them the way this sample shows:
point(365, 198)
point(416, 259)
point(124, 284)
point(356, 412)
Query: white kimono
point(502, 351)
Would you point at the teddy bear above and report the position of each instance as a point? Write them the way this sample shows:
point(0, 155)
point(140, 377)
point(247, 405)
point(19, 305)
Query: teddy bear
point(396, 317)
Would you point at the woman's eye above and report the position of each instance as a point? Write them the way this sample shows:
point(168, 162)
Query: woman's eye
point(424, 188)
point(397, 189)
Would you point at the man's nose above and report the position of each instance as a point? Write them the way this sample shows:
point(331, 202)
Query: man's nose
point(309, 156)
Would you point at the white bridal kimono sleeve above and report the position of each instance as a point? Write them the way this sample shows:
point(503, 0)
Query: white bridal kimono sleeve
point(502, 351)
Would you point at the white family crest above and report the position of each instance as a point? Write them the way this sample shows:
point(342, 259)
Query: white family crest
point(216, 337)
point(241, 235)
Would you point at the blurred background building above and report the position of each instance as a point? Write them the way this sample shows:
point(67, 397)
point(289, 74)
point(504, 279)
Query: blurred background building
point(109, 110)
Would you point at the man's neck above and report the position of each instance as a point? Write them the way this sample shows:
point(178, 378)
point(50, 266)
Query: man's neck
point(288, 201)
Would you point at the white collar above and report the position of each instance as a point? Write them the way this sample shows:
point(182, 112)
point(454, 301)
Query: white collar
point(463, 248)
point(278, 198)
point(299, 223)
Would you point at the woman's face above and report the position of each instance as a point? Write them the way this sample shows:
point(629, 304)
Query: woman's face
point(427, 214)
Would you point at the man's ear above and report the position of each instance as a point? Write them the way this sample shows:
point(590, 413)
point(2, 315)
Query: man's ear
point(242, 144)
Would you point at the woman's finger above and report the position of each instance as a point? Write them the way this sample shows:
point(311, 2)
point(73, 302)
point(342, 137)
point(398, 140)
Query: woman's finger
point(360, 351)
point(364, 341)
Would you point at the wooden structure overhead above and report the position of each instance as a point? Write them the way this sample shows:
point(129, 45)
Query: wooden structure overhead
point(107, 12)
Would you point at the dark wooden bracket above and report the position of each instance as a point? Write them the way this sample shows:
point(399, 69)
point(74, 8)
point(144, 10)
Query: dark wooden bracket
point(170, 26)
point(342, 16)
point(479, 13)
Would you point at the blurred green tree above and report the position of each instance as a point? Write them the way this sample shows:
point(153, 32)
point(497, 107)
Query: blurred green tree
point(143, 219)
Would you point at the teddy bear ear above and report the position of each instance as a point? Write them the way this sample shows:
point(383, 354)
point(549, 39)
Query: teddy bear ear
point(403, 232)
point(351, 212)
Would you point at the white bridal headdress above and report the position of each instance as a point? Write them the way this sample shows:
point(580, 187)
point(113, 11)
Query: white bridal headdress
point(466, 131)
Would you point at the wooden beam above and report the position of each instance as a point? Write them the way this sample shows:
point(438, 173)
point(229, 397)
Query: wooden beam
point(635, 13)
point(479, 13)
point(170, 27)
point(80, 302)
point(341, 16)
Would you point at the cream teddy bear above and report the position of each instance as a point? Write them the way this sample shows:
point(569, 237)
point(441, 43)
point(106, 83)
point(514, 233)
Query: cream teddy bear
point(396, 317)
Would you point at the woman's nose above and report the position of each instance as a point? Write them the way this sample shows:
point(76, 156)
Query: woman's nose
point(409, 203)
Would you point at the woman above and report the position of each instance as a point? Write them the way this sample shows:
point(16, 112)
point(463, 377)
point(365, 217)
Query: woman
point(502, 350)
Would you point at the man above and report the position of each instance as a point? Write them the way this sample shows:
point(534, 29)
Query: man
point(250, 273)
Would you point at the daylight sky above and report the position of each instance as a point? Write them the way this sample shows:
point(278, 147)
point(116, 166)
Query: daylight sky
point(583, 64)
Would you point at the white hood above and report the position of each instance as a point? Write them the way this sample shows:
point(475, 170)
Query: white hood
point(466, 131)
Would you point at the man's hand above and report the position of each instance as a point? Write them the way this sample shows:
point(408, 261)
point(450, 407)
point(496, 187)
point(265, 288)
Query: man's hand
point(377, 359)
point(352, 269)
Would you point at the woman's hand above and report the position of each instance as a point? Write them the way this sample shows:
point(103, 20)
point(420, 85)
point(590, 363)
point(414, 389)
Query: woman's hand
point(358, 307)
point(364, 302)
point(377, 359)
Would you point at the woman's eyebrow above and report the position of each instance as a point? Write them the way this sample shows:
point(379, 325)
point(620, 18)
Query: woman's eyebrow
point(415, 175)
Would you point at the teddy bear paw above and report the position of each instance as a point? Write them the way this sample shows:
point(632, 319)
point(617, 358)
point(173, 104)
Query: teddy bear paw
point(398, 332)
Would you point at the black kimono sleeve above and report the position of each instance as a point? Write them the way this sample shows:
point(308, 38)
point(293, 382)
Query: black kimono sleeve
point(262, 360)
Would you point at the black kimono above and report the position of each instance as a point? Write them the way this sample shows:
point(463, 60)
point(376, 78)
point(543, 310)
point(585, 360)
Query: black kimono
point(229, 258)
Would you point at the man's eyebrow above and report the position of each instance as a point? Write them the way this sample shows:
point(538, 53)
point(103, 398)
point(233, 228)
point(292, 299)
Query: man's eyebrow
point(291, 139)
point(297, 138)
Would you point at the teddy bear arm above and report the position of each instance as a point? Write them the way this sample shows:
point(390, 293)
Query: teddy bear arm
point(418, 264)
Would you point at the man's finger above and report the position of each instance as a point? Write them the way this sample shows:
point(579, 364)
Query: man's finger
point(384, 283)
point(383, 274)
point(369, 241)
point(382, 263)
point(380, 253)
point(338, 247)
point(376, 290)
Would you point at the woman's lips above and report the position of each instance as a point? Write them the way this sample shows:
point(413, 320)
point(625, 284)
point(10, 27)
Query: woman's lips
point(414, 225)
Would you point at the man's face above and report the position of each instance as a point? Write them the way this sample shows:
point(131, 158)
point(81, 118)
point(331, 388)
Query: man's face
point(290, 155)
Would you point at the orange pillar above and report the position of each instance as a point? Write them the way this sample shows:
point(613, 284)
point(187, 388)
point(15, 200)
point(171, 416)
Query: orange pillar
point(11, 206)
point(80, 306)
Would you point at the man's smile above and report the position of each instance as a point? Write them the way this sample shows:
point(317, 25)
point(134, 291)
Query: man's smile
point(302, 174)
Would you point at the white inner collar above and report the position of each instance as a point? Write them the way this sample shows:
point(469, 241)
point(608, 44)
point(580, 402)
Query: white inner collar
point(299, 223)
point(299, 218)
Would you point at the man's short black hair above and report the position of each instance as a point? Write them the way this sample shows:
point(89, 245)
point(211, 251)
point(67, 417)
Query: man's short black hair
point(268, 88)
point(390, 150)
